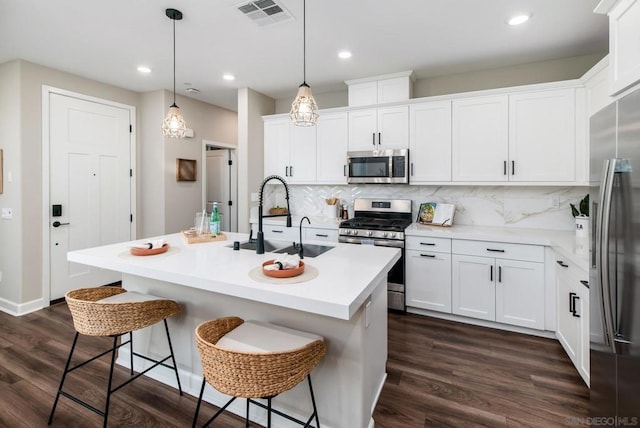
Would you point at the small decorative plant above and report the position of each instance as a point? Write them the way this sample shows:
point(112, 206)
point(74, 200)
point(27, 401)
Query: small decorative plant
point(583, 208)
point(277, 210)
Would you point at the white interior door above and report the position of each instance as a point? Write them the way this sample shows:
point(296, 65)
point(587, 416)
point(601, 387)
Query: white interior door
point(218, 183)
point(90, 161)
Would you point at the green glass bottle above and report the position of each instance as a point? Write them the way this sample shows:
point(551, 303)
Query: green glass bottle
point(214, 221)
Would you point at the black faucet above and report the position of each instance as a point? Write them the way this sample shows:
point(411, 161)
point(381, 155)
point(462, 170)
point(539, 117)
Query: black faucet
point(260, 237)
point(301, 250)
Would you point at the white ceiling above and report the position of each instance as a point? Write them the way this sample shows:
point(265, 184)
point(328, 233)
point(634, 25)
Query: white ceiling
point(107, 40)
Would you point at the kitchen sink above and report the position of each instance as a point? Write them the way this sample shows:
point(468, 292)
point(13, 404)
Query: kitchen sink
point(310, 250)
point(268, 246)
point(281, 247)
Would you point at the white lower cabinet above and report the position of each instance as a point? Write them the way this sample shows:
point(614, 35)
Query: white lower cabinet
point(498, 282)
point(573, 315)
point(277, 233)
point(428, 280)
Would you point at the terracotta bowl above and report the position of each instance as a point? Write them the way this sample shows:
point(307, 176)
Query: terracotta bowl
point(284, 273)
point(151, 252)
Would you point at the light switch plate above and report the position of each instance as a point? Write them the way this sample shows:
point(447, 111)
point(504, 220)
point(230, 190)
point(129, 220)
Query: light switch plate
point(7, 213)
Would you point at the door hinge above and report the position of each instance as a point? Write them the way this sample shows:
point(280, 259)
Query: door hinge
point(130, 128)
point(230, 203)
point(130, 172)
point(131, 218)
point(230, 162)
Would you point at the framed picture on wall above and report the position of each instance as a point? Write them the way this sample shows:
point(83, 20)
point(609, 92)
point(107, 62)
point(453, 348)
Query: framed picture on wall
point(185, 169)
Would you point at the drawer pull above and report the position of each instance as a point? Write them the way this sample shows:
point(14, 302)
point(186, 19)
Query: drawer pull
point(428, 255)
point(322, 235)
point(585, 283)
point(427, 243)
point(561, 263)
point(277, 231)
point(494, 250)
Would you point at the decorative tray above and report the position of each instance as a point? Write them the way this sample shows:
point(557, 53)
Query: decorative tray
point(284, 273)
point(147, 252)
point(190, 237)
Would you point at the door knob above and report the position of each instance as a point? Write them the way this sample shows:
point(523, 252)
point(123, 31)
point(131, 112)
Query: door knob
point(58, 224)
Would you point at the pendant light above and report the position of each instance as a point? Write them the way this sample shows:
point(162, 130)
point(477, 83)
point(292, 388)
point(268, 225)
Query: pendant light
point(304, 110)
point(173, 125)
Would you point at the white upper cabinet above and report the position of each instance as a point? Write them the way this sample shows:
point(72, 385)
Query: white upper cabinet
point(390, 88)
point(379, 129)
point(276, 147)
point(542, 136)
point(624, 34)
point(289, 150)
point(430, 142)
point(332, 143)
point(480, 139)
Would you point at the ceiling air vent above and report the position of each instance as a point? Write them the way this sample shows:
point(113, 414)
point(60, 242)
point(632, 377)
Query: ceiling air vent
point(264, 12)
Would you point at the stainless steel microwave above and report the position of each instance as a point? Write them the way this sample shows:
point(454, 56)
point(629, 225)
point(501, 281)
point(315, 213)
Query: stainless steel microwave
point(378, 166)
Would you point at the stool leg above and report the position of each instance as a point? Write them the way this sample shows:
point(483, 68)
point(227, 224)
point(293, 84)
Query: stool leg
point(64, 375)
point(313, 401)
point(269, 412)
point(113, 361)
point(246, 421)
point(131, 349)
point(175, 366)
point(195, 417)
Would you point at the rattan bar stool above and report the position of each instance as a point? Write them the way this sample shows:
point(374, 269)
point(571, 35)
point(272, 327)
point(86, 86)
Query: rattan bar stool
point(256, 360)
point(114, 312)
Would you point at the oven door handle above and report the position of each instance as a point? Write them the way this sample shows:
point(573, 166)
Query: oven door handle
point(376, 242)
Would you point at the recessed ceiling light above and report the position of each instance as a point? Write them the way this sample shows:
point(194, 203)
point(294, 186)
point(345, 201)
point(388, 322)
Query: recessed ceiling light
point(344, 54)
point(518, 19)
point(144, 69)
point(228, 76)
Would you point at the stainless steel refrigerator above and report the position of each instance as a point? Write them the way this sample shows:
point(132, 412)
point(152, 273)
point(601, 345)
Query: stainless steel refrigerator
point(615, 262)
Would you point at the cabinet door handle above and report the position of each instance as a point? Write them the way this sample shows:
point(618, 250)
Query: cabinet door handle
point(290, 171)
point(504, 168)
point(277, 231)
point(491, 273)
point(572, 304)
point(321, 235)
point(495, 250)
point(286, 171)
point(412, 169)
point(513, 167)
point(344, 170)
point(379, 138)
point(561, 263)
point(499, 273)
point(428, 243)
point(428, 255)
point(373, 138)
point(585, 283)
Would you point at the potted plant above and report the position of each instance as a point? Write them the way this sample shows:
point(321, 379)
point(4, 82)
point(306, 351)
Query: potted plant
point(277, 210)
point(581, 215)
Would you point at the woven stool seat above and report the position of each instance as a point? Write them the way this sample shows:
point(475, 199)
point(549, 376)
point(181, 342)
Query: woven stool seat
point(114, 312)
point(256, 360)
point(96, 313)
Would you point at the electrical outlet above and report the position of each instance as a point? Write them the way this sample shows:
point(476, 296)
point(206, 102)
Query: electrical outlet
point(7, 213)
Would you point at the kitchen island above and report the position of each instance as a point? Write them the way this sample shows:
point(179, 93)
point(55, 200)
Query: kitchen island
point(346, 304)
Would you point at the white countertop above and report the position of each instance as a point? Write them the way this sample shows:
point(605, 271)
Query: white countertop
point(564, 243)
point(347, 273)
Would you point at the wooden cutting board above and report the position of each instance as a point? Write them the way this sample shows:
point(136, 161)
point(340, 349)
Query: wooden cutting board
point(190, 237)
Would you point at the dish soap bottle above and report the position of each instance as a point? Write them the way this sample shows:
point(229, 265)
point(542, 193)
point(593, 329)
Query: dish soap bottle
point(214, 220)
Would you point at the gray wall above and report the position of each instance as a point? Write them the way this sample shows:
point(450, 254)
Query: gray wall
point(475, 80)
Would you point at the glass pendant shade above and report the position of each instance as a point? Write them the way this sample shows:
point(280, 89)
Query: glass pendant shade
point(173, 125)
point(304, 110)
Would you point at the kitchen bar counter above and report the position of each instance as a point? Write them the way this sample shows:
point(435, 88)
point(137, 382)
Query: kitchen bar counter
point(346, 304)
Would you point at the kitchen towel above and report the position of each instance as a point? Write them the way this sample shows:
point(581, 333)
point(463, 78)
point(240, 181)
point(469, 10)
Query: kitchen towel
point(148, 245)
point(284, 261)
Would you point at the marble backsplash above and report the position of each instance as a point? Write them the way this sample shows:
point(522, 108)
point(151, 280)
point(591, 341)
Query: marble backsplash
point(536, 207)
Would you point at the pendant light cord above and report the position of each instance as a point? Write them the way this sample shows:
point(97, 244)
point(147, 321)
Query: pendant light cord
point(304, 41)
point(174, 61)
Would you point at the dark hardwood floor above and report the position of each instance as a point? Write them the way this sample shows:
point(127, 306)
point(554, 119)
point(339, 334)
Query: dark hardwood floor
point(440, 374)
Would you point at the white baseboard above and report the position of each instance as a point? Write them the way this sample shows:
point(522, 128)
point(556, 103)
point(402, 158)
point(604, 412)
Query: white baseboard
point(18, 309)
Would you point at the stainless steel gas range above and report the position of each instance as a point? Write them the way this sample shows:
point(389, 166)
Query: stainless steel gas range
point(381, 222)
